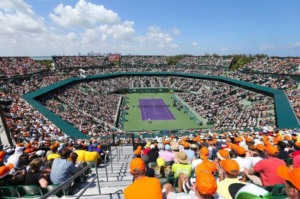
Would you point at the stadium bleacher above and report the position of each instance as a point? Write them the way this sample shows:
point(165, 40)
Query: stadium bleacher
point(246, 110)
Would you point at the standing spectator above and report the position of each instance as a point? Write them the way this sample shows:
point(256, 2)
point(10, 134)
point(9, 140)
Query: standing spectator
point(143, 186)
point(62, 169)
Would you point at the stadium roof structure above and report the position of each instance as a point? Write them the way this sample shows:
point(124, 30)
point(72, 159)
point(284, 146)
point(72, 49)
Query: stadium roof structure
point(285, 116)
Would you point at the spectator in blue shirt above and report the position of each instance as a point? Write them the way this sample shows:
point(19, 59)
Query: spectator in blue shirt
point(62, 169)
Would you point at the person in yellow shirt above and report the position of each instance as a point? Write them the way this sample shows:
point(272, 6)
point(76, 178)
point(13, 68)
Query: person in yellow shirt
point(228, 177)
point(81, 154)
point(92, 156)
point(53, 155)
point(143, 186)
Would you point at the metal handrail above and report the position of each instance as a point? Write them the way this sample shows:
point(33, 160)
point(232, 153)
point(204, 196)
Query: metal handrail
point(86, 187)
point(105, 163)
point(118, 155)
point(70, 180)
point(120, 150)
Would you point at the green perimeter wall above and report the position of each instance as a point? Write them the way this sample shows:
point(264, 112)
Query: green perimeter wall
point(285, 116)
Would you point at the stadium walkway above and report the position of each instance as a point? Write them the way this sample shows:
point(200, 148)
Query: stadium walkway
point(113, 185)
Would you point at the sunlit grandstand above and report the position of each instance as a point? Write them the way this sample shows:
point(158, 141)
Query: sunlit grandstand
point(151, 99)
point(80, 102)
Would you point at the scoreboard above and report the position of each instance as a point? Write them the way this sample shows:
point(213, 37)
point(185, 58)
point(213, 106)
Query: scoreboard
point(114, 57)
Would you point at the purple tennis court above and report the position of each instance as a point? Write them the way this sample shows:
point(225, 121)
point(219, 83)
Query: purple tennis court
point(155, 109)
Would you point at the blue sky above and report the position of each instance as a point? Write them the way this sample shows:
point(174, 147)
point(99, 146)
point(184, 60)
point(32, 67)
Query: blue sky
point(155, 27)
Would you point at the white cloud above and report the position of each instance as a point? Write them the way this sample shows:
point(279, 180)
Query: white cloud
point(16, 5)
point(156, 37)
point(224, 49)
point(118, 32)
point(194, 43)
point(17, 17)
point(176, 31)
point(84, 15)
point(24, 33)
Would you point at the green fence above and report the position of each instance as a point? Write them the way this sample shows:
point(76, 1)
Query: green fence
point(150, 90)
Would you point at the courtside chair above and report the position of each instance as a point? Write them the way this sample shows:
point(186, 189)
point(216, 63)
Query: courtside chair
point(51, 187)
point(278, 191)
point(29, 191)
point(9, 192)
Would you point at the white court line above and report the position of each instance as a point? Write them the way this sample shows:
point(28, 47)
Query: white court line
point(154, 108)
point(168, 111)
point(143, 112)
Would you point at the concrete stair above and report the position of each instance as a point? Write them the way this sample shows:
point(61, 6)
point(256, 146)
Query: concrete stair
point(111, 186)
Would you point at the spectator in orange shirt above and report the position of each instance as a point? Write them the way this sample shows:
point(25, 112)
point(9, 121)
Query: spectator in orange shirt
point(143, 186)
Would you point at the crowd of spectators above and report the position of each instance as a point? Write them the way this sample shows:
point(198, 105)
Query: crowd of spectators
point(142, 61)
point(294, 97)
point(14, 66)
point(15, 88)
point(205, 89)
point(51, 162)
point(24, 121)
point(86, 105)
point(205, 61)
point(129, 60)
point(230, 165)
point(277, 65)
point(230, 108)
point(80, 61)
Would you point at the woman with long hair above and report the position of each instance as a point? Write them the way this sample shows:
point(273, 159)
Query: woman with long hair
point(34, 176)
